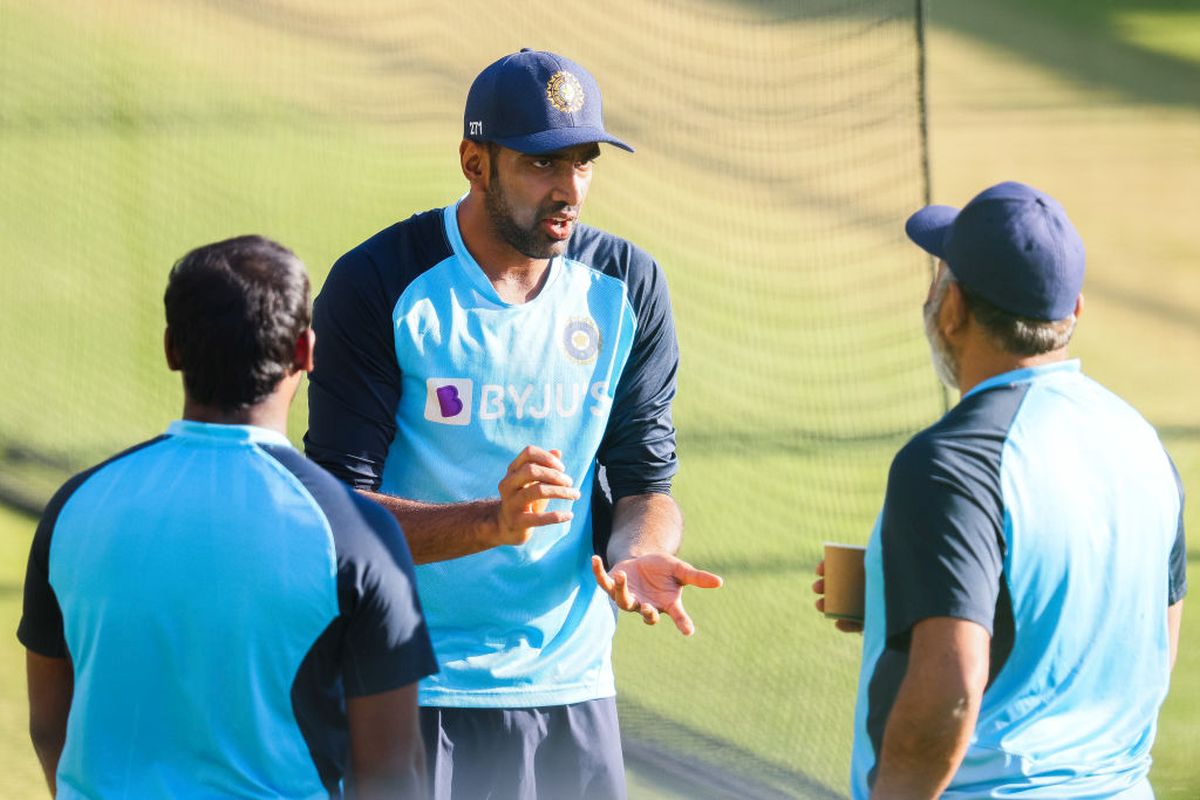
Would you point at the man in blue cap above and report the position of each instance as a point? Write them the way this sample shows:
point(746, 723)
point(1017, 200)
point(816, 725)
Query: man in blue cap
point(1026, 575)
point(498, 345)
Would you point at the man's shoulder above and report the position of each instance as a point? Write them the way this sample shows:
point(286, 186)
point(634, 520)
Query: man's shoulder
point(923, 453)
point(624, 261)
point(1086, 389)
point(411, 245)
point(610, 254)
point(973, 432)
point(378, 270)
point(349, 514)
point(69, 489)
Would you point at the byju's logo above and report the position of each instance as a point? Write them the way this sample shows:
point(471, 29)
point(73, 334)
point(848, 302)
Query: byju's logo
point(448, 400)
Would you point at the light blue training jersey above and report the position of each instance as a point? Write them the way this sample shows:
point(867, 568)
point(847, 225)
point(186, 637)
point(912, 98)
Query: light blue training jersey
point(428, 385)
point(219, 597)
point(1045, 509)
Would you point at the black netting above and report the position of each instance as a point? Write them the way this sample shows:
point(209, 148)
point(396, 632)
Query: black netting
point(779, 151)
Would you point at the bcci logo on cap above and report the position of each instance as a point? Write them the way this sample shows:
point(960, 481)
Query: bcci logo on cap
point(581, 340)
point(565, 92)
point(448, 400)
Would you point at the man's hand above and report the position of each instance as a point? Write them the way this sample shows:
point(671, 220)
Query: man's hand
point(535, 477)
point(653, 583)
point(442, 531)
point(843, 625)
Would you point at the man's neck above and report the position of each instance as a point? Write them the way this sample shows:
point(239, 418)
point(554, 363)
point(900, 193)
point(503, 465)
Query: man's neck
point(271, 413)
point(516, 277)
point(976, 368)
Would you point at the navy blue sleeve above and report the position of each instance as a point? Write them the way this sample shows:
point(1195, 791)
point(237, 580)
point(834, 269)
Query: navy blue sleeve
point(354, 387)
point(382, 642)
point(41, 626)
point(942, 534)
point(387, 643)
point(1177, 582)
point(638, 449)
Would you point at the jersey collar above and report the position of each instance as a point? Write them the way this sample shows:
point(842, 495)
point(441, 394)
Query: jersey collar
point(1025, 375)
point(474, 272)
point(229, 434)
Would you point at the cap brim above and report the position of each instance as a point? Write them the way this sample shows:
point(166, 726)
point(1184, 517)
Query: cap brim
point(928, 227)
point(559, 138)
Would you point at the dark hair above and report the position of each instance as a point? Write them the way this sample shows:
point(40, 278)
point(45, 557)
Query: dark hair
point(493, 151)
point(1021, 336)
point(235, 310)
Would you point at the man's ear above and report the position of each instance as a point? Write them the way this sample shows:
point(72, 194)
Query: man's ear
point(953, 316)
point(169, 349)
point(475, 160)
point(1079, 307)
point(305, 345)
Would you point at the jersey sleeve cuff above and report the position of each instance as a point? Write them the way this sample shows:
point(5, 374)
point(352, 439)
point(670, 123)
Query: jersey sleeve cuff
point(904, 623)
point(1177, 593)
point(48, 646)
point(385, 674)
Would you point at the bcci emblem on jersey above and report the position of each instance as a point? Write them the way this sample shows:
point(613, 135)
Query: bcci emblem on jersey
point(581, 339)
point(565, 92)
point(448, 400)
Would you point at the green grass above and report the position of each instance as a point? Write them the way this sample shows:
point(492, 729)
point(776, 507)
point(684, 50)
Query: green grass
point(1169, 28)
point(1175, 33)
point(20, 776)
point(130, 132)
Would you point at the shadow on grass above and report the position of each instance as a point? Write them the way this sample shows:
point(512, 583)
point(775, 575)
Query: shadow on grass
point(1179, 433)
point(773, 566)
point(788, 441)
point(693, 762)
point(1178, 312)
point(767, 566)
point(1080, 40)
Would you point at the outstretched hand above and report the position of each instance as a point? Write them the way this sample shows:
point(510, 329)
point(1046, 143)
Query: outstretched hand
point(843, 625)
point(653, 584)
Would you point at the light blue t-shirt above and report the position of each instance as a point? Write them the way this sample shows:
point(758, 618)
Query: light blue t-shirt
point(1045, 509)
point(219, 597)
point(428, 385)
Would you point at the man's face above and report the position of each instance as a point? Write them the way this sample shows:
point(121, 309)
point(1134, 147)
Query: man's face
point(945, 362)
point(533, 201)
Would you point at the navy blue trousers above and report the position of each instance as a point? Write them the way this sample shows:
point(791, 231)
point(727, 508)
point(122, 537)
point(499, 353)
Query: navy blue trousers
point(568, 752)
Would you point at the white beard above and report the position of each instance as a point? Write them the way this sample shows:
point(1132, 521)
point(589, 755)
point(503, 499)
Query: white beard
point(945, 365)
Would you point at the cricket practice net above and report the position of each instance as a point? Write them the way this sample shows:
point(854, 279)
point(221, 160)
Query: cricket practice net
point(779, 149)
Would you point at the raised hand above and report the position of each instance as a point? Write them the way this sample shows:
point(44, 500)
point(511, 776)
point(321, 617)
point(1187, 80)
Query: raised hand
point(652, 584)
point(534, 477)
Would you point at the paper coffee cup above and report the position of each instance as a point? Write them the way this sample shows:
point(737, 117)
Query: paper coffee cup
point(845, 581)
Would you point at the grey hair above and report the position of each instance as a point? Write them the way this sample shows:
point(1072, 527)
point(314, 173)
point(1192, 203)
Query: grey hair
point(1020, 336)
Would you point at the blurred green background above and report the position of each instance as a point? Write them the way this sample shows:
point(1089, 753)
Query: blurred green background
point(778, 153)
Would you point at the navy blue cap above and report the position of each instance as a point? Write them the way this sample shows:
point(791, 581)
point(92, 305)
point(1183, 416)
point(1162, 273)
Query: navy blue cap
point(536, 102)
point(1012, 245)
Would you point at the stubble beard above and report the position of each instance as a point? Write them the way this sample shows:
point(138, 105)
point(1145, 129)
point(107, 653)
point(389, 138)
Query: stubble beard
point(528, 241)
